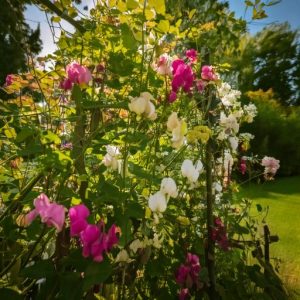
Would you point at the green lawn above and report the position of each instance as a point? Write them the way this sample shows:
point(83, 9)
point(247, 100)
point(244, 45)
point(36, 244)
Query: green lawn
point(282, 196)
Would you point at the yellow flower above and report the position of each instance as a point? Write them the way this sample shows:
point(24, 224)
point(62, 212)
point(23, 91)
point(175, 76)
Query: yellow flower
point(199, 133)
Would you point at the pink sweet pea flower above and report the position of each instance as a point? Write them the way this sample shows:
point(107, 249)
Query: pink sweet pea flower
point(184, 294)
point(271, 165)
point(201, 84)
point(208, 73)
point(78, 215)
point(172, 97)
point(96, 242)
point(163, 65)
point(187, 274)
point(191, 54)
point(50, 213)
point(219, 234)
point(66, 84)
point(112, 238)
point(78, 74)
point(9, 79)
point(243, 166)
point(183, 76)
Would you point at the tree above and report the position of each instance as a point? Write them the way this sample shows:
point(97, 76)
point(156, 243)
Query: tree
point(269, 60)
point(16, 38)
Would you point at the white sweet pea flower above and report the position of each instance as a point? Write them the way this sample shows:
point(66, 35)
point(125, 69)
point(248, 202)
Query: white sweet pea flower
point(110, 159)
point(138, 105)
point(234, 142)
point(250, 112)
point(156, 241)
point(112, 150)
point(168, 186)
point(217, 187)
point(227, 95)
point(135, 245)
point(229, 123)
point(142, 105)
point(178, 128)
point(123, 256)
point(173, 121)
point(190, 171)
point(157, 202)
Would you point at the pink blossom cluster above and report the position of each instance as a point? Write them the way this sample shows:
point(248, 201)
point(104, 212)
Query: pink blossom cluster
point(219, 234)
point(77, 74)
point(95, 241)
point(187, 275)
point(208, 73)
point(184, 78)
point(271, 166)
point(52, 214)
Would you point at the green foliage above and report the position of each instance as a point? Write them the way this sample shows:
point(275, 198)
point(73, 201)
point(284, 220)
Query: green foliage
point(277, 131)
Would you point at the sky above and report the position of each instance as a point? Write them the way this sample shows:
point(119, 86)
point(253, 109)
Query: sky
point(286, 10)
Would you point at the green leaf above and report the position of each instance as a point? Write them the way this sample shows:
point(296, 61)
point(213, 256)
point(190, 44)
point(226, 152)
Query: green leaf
point(96, 273)
point(135, 210)
point(25, 133)
point(49, 137)
point(158, 5)
point(41, 269)
point(120, 65)
point(163, 26)
point(132, 4)
point(128, 38)
point(9, 294)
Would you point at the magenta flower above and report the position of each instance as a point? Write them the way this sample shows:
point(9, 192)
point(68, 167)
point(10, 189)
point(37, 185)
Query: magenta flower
point(191, 54)
point(78, 215)
point(243, 166)
point(184, 294)
point(172, 97)
point(183, 76)
point(52, 214)
point(66, 84)
point(208, 73)
point(182, 274)
point(112, 238)
point(9, 79)
point(78, 74)
point(187, 275)
point(219, 234)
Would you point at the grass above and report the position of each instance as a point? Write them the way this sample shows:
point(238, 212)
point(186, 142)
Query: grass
point(282, 196)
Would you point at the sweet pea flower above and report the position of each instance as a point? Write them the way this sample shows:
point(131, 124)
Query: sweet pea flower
point(51, 214)
point(183, 76)
point(243, 166)
point(172, 97)
point(163, 65)
point(95, 242)
point(66, 84)
point(219, 234)
point(9, 79)
point(157, 202)
point(187, 275)
point(169, 187)
point(229, 123)
point(191, 54)
point(234, 142)
point(271, 166)
point(143, 105)
point(110, 159)
point(78, 216)
point(178, 128)
point(78, 74)
point(208, 73)
point(190, 171)
point(184, 294)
